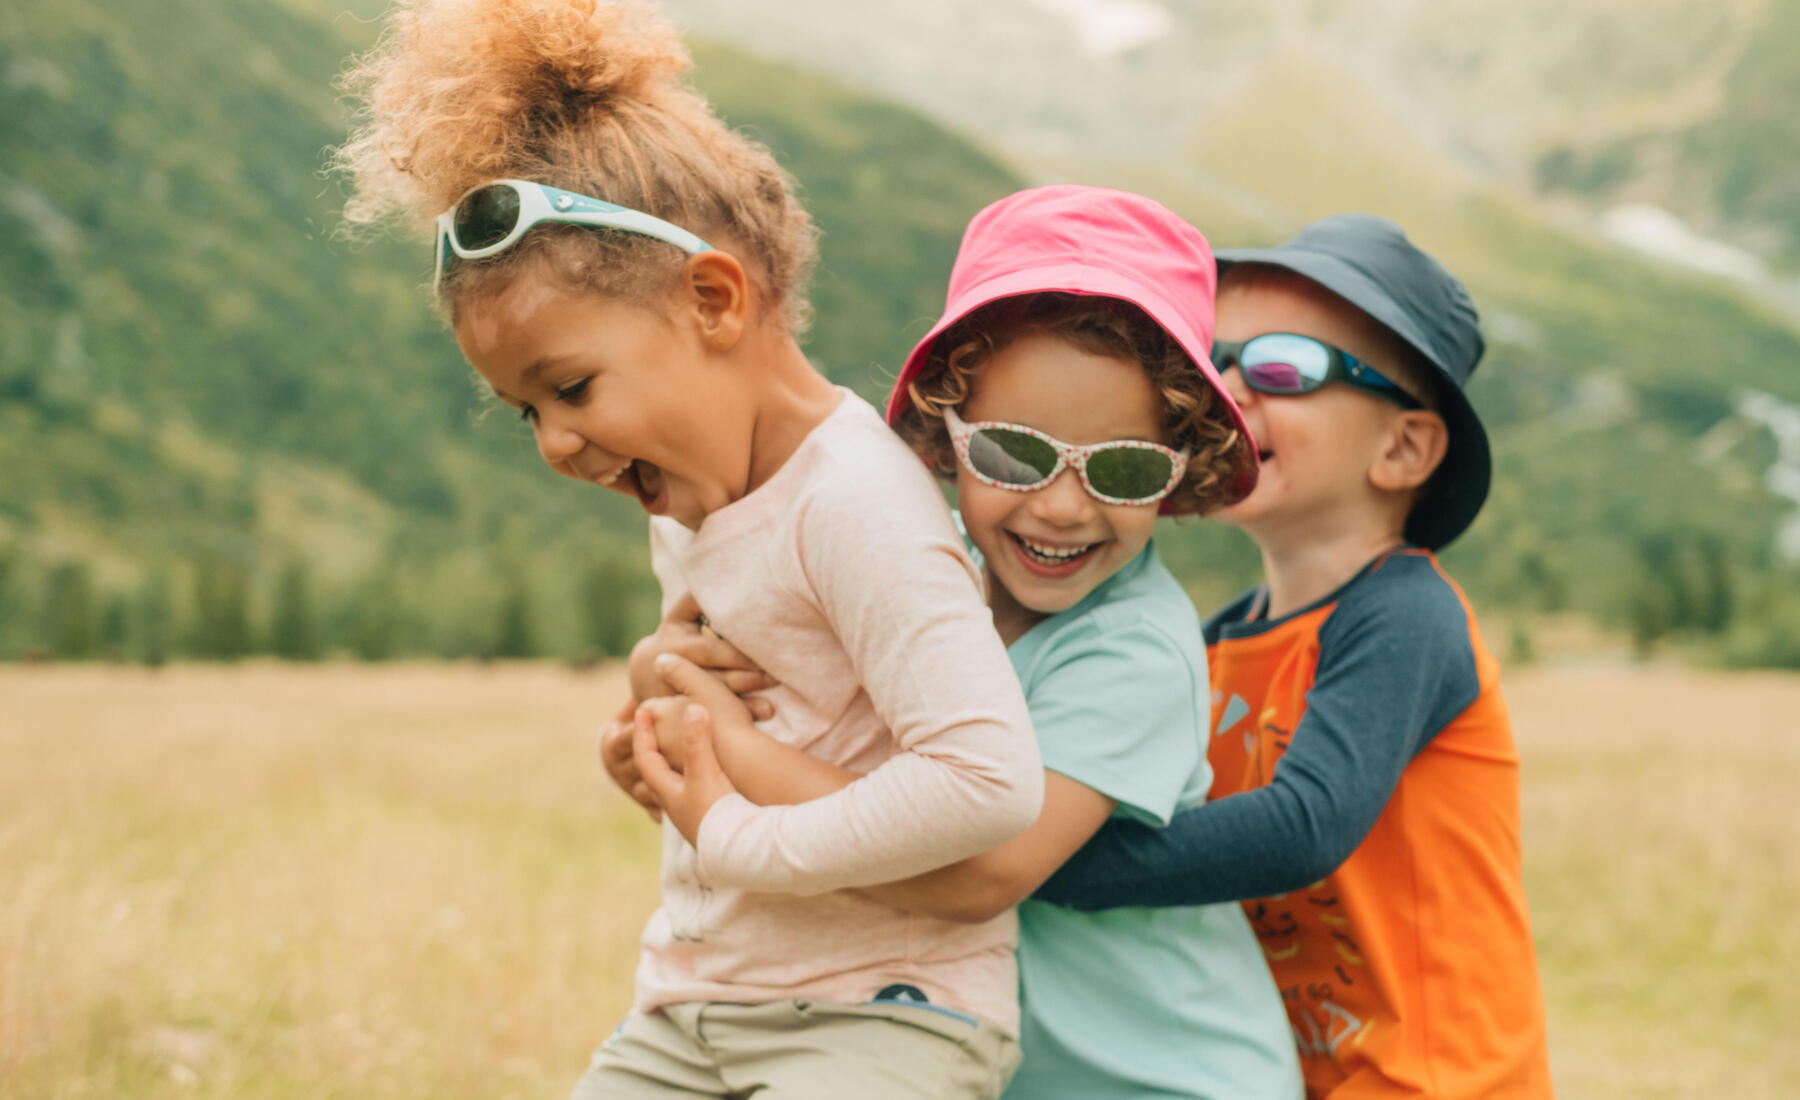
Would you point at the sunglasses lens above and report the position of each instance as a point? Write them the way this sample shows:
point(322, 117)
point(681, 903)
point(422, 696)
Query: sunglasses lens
point(1285, 364)
point(1129, 473)
point(1011, 458)
point(485, 217)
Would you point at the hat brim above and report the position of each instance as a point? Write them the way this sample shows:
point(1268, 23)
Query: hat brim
point(1099, 282)
point(1460, 487)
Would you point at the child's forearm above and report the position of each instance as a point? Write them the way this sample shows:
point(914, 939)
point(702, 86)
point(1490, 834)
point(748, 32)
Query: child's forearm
point(804, 847)
point(984, 886)
point(971, 891)
point(965, 774)
point(1259, 843)
point(976, 889)
point(770, 773)
point(921, 809)
point(1340, 769)
point(924, 808)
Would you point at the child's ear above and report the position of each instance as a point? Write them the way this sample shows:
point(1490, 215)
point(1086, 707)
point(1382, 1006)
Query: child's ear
point(719, 296)
point(1415, 445)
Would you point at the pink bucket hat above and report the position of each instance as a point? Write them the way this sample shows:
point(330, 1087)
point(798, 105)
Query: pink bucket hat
point(1093, 241)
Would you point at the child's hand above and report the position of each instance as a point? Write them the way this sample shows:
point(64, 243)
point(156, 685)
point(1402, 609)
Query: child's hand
point(620, 760)
point(731, 716)
point(685, 796)
point(664, 715)
point(685, 634)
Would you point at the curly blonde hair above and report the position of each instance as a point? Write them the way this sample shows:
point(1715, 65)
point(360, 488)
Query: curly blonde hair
point(584, 95)
point(1194, 414)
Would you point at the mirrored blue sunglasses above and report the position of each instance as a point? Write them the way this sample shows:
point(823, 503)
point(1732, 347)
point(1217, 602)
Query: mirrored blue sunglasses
point(1285, 364)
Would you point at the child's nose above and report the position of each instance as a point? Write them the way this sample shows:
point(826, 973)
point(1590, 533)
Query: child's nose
point(1234, 385)
point(1064, 501)
point(557, 444)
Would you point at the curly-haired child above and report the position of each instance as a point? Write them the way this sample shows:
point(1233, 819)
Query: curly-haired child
point(628, 273)
point(1068, 392)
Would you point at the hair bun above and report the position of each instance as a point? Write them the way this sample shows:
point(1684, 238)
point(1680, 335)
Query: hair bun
point(572, 55)
point(458, 92)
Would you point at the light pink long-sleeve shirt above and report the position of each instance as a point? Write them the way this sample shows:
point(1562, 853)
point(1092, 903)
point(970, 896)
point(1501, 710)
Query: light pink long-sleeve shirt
point(843, 576)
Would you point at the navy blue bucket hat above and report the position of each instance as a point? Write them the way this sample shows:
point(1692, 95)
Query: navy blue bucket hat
point(1369, 263)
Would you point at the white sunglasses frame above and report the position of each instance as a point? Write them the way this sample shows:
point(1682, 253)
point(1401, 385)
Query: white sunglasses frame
point(1067, 455)
point(539, 203)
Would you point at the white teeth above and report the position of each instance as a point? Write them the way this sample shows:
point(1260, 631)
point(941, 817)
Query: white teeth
point(612, 477)
point(1054, 553)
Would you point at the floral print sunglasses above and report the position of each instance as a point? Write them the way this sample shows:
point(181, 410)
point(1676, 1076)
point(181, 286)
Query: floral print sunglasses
point(1012, 456)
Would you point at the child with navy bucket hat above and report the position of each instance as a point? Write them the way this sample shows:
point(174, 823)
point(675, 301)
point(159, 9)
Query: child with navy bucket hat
point(1068, 392)
point(1365, 801)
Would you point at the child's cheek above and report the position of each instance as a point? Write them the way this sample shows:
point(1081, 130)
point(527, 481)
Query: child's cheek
point(984, 510)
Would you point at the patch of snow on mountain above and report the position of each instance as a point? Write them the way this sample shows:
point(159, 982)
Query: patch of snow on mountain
point(1783, 478)
point(1108, 28)
point(1656, 232)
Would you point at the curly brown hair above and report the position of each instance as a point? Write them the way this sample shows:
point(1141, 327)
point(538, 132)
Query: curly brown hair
point(1194, 414)
point(584, 95)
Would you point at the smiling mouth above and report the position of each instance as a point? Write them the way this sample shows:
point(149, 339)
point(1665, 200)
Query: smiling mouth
point(1049, 560)
point(641, 479)
point(606, 482)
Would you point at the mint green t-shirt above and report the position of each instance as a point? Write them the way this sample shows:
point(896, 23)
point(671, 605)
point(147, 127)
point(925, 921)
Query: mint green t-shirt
point(1135, 1003)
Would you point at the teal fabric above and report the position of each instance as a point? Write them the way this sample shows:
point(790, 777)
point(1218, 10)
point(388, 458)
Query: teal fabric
point(1137, 1002)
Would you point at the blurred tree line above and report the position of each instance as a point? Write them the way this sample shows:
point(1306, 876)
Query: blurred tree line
point(1684, 588)
point(217, 608)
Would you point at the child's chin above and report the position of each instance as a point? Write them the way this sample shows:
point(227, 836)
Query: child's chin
point(1048, 597)
point(1057, 607)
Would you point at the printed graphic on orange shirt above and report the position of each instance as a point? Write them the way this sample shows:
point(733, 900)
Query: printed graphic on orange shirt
point(1322, 1028)
point(1233, 711)
point(1322, 972)
point(1307, 935)
point(1263, 746)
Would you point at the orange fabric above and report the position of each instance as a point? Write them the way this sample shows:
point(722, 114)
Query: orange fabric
point(1409, 971)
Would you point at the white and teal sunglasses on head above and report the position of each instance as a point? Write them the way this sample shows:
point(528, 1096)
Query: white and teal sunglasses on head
point(491, 218)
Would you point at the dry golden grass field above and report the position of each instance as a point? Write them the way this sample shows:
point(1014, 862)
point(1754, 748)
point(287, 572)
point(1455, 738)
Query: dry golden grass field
point(409, 882)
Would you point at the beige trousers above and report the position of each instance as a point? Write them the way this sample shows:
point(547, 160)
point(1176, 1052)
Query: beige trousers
point(801, 1050)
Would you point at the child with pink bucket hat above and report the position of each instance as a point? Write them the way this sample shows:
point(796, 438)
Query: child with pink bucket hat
point(1068, 392)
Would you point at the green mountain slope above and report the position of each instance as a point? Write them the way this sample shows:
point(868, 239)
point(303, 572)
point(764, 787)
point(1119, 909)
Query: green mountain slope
point(198, 385)
point(221, 429)
point(1734, 167)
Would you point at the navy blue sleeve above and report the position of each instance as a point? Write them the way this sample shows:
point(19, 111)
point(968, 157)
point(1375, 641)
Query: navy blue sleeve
point(1396, 665)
